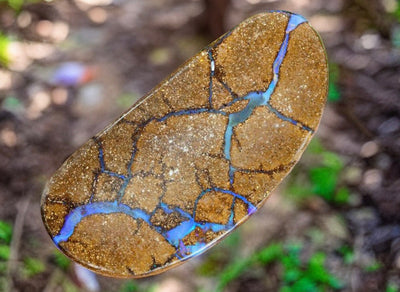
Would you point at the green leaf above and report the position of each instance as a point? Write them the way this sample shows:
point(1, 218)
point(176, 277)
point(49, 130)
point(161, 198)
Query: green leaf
point(304, 284)
point(285, 289)
point(317, 260)
point(292, 274)
point(129, 286)
point(299, 192)
point(316, 269)
point(342, 196)
point(315, 146)
point(233, 271)
point(324, 180)
point(4, 252)
point(292, 257)
point(375, 266)
point(232, 241)
point(61, 260)
point(33, 267)
point(152, 288)
point(333, 91)
point(4, 44)
point(16, 5)
point(335, 283)
point(392, 287)
point(397, 11)
point(211, 265)
point(332, 160)
point(270, 253)
point(5, 232)
point(319, 274)
point(294, 248)
point(347, 254)
point(68, 286)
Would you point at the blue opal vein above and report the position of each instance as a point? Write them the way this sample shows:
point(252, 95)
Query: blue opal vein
point(176, 235)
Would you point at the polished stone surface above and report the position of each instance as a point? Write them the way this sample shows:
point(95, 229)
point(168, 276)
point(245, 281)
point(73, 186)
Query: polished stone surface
point(195, 157)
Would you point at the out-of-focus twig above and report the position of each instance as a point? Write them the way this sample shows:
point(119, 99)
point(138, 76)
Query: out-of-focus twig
point(55, 279)
point(348, 113)
point(22, 208)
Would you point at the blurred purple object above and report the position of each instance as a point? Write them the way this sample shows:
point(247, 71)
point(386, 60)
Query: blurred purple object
point(86, 279)
point(72, 74)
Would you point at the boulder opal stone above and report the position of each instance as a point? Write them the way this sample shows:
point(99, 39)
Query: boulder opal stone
point(195, 157)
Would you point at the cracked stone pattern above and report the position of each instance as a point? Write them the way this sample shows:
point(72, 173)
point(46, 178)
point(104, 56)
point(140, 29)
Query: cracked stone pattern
point(195, 157)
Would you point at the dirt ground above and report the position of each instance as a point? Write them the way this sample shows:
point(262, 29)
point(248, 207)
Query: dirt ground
point(131, 45)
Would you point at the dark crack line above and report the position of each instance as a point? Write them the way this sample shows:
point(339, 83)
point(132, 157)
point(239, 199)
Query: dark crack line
point(196, 176)
point(288, 119)
point(94, 185)
point(166, 101)
point(102, 163)
point(270, 172)
point(226, 86)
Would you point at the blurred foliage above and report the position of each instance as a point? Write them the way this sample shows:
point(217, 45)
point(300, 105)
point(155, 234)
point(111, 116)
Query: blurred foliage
point(397, 11)
point(333, 92)
point(373, 267)
point(319, 174)
point(324, 178)
point(5, 240)
point(4, 252)
point(12, 104)
point(311, 276)
point(17, 5)
point(395, 34)
point(392, 287)
point(215, 261)
point(4, 44)
point(347, 254)
point(129, 286)
point(160, 56)
point(133, 286)
point(321, 179)
point(61, 260)
point(32, 267)
point(297, 274)
point(126, 100)
point(6, 232)
point(396, 37)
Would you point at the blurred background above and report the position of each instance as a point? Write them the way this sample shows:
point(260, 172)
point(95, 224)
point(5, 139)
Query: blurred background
point(70, 67)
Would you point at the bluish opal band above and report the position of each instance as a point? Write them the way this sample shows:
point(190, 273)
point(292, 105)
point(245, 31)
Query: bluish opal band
point(174, 236)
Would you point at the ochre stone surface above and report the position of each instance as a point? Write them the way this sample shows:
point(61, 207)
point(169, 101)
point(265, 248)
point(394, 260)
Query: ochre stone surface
point(303, 58)
point(196, 156)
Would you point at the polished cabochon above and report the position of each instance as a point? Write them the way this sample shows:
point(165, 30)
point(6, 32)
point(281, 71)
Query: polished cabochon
point(195, 157)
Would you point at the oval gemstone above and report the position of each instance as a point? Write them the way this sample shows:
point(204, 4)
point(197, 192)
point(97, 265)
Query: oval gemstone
point(195, 157)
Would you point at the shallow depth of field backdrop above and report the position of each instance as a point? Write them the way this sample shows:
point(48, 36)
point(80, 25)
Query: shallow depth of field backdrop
point(332, 226)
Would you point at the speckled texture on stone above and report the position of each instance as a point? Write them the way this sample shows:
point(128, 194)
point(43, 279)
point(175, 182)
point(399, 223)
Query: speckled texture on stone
point(196, 156)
